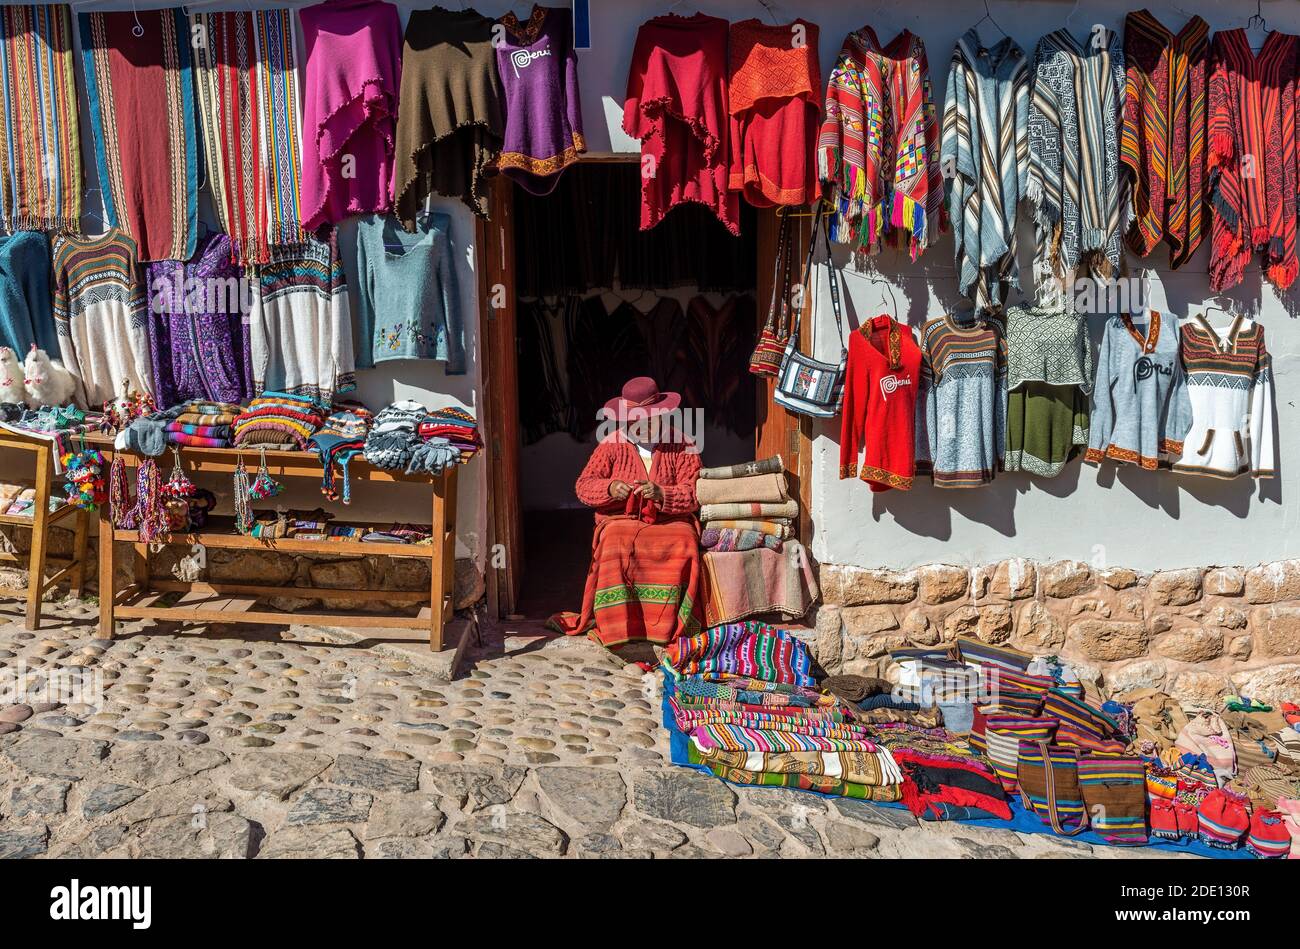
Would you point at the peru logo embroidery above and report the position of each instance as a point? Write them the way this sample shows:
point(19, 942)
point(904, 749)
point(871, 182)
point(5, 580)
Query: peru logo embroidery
point(890, 384)
point(1146, 367)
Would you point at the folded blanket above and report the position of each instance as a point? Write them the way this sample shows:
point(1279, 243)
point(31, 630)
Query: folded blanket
point(761, 489)
point(742, 583)
point(197, 441)
point(719, 512)
point(714, 539)
point(778, 527)
point(857, 767)
point(203, 431)
point(771, 465)
point(752, 650)
point(739, 738)
point(803, 782)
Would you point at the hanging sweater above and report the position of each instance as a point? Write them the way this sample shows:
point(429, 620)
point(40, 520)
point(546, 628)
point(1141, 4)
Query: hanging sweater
point(1140, 409)
point(25, 314)
point(878, 151)
point(452, 118)
point(543, 107)
point(961, 434)
point(1074, 119)
point(408, 306)
point(878, 421)
point(1049, 376)
point(99, 315)
point(774, 87)
point(985, 143)
point(674, 467)
point(1252, 158)
point(677, 106)
point(1162, 148)
point(1230, 386)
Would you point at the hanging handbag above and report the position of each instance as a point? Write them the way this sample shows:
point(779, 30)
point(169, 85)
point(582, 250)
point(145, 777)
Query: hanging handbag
point(805, 385)
point(766, 360)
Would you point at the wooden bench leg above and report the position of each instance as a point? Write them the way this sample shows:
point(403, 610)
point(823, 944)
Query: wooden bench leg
point(40, 529)
point(106, 594)
point(80, 540)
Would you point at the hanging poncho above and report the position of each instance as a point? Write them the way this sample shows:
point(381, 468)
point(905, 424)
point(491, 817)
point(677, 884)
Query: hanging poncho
point(985, 147)
point(1162, 146)
point(452, 119)
point(1074, 134)
point(1252, 136)
point(677, 106)
point(350, 83)
point(40, 162)
point(878, 152)
point(142, 115)
point(774, 87)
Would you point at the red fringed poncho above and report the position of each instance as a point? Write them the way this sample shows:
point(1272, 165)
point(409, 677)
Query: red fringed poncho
point(677, 106)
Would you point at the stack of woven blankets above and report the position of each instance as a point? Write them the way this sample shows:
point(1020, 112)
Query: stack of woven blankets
point(203, 424)
point(751, 564)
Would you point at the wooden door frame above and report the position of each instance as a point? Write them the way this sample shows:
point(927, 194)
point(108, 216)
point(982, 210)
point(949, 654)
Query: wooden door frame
point(777, 431)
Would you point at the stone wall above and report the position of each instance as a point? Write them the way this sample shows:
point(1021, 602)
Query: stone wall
point(1197, 633)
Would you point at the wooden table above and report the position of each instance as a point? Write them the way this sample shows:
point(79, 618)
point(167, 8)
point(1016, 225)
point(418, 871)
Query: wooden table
point(40, 522)
point(221, 602)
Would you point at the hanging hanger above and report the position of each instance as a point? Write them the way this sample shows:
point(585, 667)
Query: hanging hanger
point(770, 12)
point(1257, 20)
point(988, 15)
point(1070, 16)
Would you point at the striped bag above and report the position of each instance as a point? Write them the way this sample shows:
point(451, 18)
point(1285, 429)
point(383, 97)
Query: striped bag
point(1082, 726)
point(1003, 735)
point(975, 652)
point(1017, 705)
point(1048, 776)
point(1114, 790)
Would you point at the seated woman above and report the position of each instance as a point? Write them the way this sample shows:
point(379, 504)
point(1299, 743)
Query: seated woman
point(645, 554)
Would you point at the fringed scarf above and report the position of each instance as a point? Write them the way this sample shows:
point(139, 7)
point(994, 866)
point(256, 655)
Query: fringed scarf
point(141, 97)
point(1252, 136)
point(1074, 155)
point(985, 141)
point(279, 109)
point(878, 152)
point(40, 163)
point(1162, 146)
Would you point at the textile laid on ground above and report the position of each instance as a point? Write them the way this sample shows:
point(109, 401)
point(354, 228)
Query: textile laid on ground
point(763, 489)
point(277, 418)
point(1049, 377)
point(40, 163)
point(198, 341)
point(141, 95)
point(743, 583)
point(26, 318)
point(881, 387)
point(878, 151)
point(300, 330)
point(1252, 157)
point(774, 87)
point(351, 77)
point(452, 119)
point(1230, 387)
point(1140, 408)
point(743, 651)
point(676, 105)
point(543, 106)
point(986, 141)
point(1162, 147)
point(963, 424)
point(408, 304)
point(99, 313)
point(1074, 132)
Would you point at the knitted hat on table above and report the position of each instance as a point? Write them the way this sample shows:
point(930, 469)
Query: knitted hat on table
point(1268, 837)
point(1224, 818)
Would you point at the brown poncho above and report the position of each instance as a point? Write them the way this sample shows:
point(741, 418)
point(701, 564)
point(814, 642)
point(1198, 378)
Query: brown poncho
point(450, 122)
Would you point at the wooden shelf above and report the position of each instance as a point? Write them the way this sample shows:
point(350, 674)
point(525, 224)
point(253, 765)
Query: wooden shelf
point(220, 532)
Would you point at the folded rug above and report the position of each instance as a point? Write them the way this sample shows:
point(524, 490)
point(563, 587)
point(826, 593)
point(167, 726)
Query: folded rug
point(762, 489)
point(803, 782)
point(741, 583)
point(771, 465)
point(857, 767)
point(714, 539)
point(778, 527)
point(719, 512)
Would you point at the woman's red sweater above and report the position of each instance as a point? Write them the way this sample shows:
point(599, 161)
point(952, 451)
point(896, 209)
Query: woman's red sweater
point(673, 467)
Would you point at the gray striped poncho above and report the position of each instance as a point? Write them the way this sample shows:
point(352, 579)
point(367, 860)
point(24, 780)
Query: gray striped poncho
point(984, 156)
point(1074, 131)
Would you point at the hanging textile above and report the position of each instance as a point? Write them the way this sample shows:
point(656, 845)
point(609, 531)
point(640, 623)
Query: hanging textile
point(878, 151)
point(26, 319)
point(1049, 376)
point(1162, 147)
point(985, 142)
point(279, 109)
point(141, 96)
point(40, 163)
point(1074, 114)
point(543, 107)
point(1252, 138)
point(350, 82)
point(715, 364)
point(774, 85)
point(881, 386)
point(677, 106)
point(452, 120)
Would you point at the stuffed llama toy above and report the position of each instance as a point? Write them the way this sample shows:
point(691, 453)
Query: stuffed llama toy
point(48, 383)
point(13, 388)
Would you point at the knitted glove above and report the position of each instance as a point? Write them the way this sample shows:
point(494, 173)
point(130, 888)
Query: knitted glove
point(432, 456)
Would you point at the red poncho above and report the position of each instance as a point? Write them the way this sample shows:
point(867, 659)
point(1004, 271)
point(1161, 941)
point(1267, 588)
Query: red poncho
point(677, 106)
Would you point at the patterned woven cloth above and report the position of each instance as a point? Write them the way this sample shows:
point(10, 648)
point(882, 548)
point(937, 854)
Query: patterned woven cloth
point(748, 649)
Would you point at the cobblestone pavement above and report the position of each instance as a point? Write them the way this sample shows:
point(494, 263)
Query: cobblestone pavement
point(288, 742)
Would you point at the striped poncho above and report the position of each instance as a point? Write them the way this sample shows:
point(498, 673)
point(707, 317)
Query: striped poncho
point(984, 157)
point(878, 151)
point(1074, 135)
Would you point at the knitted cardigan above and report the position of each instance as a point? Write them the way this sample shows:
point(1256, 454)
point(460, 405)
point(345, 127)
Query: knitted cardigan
point(674, 468)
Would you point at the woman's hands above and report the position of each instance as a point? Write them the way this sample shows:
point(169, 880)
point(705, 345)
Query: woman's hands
point(619, 491)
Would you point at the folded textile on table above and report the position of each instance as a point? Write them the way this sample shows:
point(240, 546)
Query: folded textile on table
point(432, 455)
point(393, 437)
point(191, 440)
point(753, 489)
point(742, 738)
point(772, 465)
point(204, 431)
point(856, 767)
point(340, 438)
point(780, 528)
point(798, 781)
point(742, 583)
point(855, 688)
point(754, 510)
point(742, 650)
point(277, 418)
point(728, 539)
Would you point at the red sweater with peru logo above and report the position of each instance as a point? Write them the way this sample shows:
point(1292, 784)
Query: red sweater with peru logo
point(879, 414)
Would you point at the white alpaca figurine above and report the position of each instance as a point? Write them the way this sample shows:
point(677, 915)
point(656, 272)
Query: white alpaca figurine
point(13, 387)
point(48, 383)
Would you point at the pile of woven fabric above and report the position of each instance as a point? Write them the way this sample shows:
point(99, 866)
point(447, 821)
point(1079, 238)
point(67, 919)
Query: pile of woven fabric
point(457, 427)
point(395, 441)
point(751, 565)
point(275, 419)
point(202, 424)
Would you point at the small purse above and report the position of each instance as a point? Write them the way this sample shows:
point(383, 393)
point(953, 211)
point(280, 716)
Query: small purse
point(768, 354)
point(807, 386)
